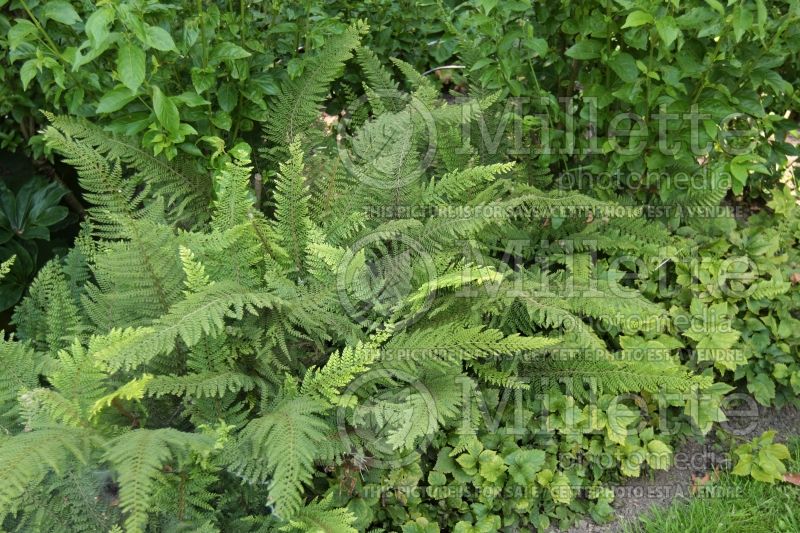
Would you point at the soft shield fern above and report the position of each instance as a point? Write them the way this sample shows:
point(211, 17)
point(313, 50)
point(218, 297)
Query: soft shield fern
point(219, 363)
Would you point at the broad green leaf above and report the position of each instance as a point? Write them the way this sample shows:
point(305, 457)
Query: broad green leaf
point(659, 455)
point(586, 49)
point(61, 11)
point(191, 99)
point(203, 79)
point(436, 478)
point(631, 466)
point(19, 33)
point(638, 18)
point(226, 51)
point(166, 111)
point(159, 39)
point(778, 451)
point(294, 67)
point(716, 6)
point(667, 29)
point(761, 16)
point(524, 464)
point(115, 100)
point(98, 23)
point(27, 72)
point(468, 463)
point(624, 66)
point(744, 465)
point(222, 120)
point(759, 474)
point(537, 46)
point(742, 21)
point(131, 66)
point(488, 5)
point(492, 465)
point(620, 416)
point(763, 388)
point(132, 20)
point(227, 96)
point(560, 489)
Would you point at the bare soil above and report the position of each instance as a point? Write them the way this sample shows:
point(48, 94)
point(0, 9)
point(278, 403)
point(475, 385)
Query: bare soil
point(635, 497)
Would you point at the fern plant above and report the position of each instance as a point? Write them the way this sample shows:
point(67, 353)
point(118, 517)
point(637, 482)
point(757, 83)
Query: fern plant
point(214, 360)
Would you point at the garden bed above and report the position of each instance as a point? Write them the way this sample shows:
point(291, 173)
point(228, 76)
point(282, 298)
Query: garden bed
point(697, 463)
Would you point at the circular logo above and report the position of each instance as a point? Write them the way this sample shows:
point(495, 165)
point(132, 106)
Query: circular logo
point(390, 149)
point(379, 273)
point(395, 415)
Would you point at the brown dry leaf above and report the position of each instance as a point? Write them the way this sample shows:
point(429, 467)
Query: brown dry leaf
point(699, 481)
point(795, 278)
point(792, 477)
point(705, 479)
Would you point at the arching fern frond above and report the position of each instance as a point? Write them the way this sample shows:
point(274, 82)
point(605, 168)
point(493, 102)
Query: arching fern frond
point(294, 427)
point(26, 458)
point(298, 103)
point(138, 456)
point(321, 516)
point(202, 313)
point(185, 189)
point(291, 206)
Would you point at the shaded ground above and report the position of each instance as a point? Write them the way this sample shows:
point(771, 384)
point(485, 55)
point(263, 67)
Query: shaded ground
point(635, 497)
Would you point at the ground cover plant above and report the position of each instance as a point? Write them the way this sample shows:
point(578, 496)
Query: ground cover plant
point(753, 506)
point(326, 283)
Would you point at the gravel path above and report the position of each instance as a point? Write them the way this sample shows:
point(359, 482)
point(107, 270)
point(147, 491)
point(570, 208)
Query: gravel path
point(634, 497)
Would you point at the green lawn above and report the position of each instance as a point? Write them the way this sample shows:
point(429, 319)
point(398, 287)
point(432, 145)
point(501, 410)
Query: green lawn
point(732, 504)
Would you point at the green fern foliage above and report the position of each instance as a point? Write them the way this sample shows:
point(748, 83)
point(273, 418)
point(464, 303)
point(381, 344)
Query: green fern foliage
point(138, 457)
point(26, 458)
point(295, 426)
point(211, 356)
point(291, 206)
point(297, 106)
point(5, 267)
